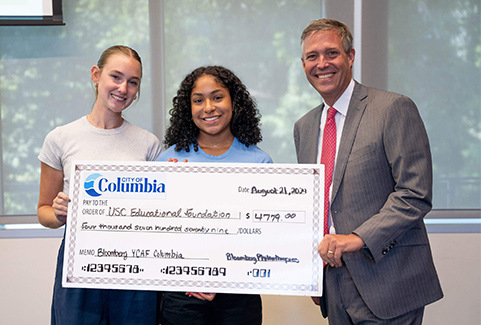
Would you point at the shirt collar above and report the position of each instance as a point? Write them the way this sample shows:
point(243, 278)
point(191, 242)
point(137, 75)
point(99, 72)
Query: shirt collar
point(342, 104)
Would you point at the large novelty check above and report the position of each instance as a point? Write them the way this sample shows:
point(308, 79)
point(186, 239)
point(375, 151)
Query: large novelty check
point(232, 228)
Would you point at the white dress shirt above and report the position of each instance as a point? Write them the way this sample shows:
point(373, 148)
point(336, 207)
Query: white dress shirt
point(341, 105)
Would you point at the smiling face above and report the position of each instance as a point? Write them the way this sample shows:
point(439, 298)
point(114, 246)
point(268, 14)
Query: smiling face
point(326, 64)
point(211, 106)
point(117, 83)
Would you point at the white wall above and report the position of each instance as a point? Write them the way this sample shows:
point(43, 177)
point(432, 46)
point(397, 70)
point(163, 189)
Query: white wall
point(27, 272)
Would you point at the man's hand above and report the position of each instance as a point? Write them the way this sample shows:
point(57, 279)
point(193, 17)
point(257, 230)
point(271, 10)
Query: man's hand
point(332, 247)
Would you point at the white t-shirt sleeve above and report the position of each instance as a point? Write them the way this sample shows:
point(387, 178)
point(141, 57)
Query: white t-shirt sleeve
point(155, 149)
point(51, 152)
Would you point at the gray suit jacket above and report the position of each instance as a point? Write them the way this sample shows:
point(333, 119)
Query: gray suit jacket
point(381, 191)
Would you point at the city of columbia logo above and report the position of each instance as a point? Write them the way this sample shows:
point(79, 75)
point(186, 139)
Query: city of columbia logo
point(97, 184)
point(89, 185)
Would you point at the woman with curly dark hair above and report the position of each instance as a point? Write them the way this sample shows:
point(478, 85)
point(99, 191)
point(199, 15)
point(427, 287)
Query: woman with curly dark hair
point(214, 119)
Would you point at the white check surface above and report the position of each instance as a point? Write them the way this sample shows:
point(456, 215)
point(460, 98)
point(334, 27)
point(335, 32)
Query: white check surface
point(231, 228)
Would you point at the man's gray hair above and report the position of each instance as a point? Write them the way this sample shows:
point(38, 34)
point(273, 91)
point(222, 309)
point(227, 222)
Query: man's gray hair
point(327, 24)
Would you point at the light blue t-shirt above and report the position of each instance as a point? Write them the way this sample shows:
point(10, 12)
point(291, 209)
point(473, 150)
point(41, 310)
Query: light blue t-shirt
point(237, 153)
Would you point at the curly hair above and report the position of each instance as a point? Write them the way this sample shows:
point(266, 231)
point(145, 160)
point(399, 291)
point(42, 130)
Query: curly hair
point(245, 121)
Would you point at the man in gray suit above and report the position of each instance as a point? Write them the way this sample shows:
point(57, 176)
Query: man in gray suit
point(379, 267)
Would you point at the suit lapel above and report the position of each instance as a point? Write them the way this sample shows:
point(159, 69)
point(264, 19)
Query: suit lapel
point(357, 105)
point(313, 134)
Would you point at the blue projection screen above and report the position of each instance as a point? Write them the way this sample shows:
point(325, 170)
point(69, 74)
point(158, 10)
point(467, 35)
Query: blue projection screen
point(31, 12)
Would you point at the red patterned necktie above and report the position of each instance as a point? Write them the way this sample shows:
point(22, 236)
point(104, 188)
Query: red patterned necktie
point(328, 155)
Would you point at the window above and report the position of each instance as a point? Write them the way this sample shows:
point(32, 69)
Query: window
point(436, 60)
point(427, 50)
point(260, 42)
point(45, 82)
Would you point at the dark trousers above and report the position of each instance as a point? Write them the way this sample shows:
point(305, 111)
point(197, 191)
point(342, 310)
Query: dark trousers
point(345, 305)
point(228, 309)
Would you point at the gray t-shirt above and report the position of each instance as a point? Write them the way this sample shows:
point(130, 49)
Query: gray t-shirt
point(79, 140)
